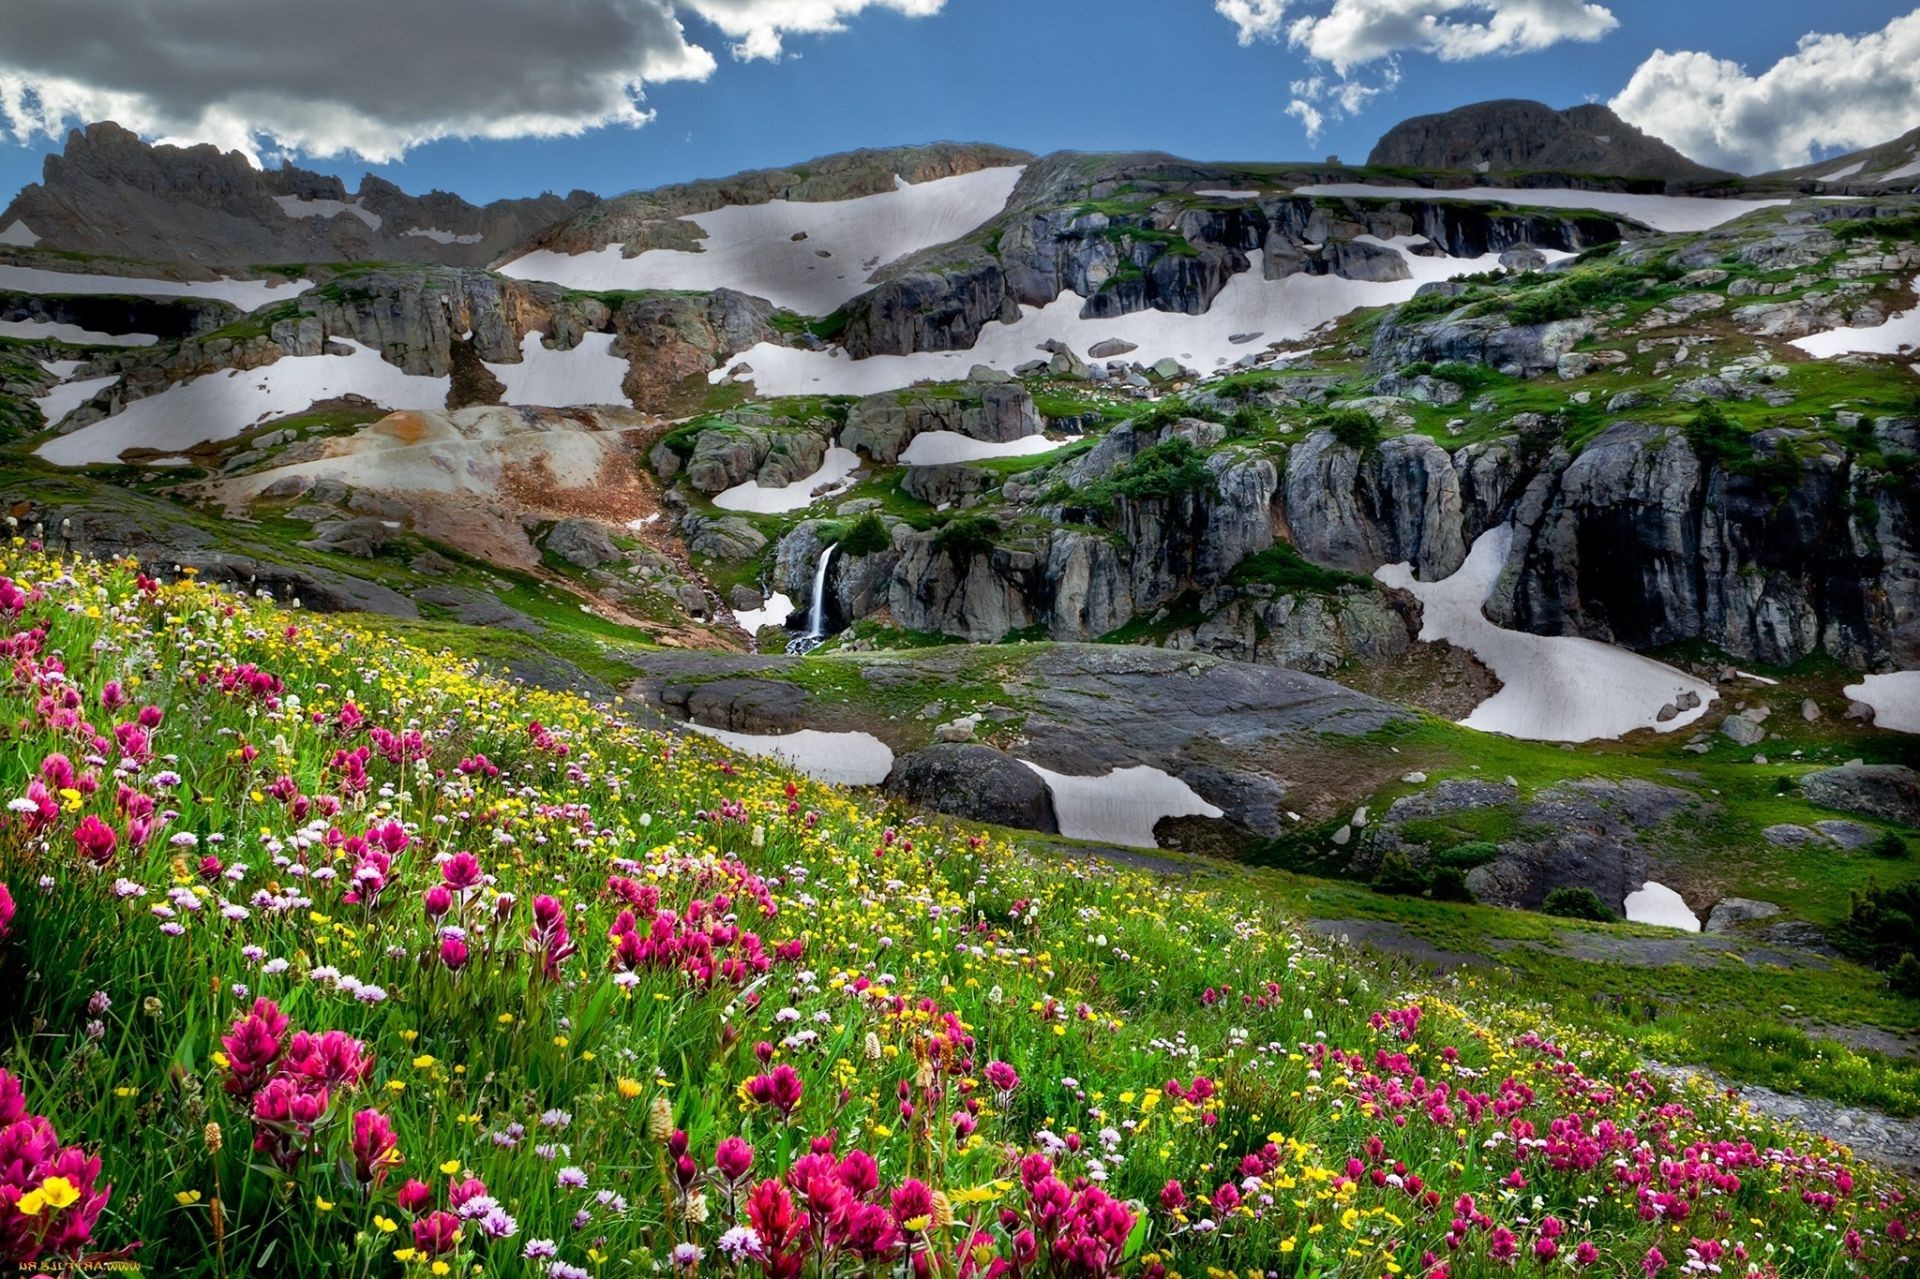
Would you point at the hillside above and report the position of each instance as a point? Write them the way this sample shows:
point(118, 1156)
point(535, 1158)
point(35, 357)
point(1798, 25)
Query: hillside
point(1511, 135)
point(372, 963)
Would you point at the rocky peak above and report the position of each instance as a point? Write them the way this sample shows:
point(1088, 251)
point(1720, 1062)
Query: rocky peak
point(1515, 134)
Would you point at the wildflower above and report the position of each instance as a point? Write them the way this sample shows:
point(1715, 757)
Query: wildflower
point(659, 1119)
point(436, 1233)
point(376, 1150)
point(539, 1249)
point(734, 1159)
point(571, 1178)
point(741, 1244)
point(96, 840)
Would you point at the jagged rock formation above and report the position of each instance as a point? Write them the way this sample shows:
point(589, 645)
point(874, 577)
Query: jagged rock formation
point(1513, 134)
point(110, 193)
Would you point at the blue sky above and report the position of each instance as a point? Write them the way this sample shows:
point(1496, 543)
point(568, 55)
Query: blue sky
point(1050, 74)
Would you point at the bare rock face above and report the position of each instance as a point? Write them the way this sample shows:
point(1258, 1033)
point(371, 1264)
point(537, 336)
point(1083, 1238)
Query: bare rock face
point(1890, 792)
point(1512, 134)
point(111, 193)
point(882, 426)
point(974, 782)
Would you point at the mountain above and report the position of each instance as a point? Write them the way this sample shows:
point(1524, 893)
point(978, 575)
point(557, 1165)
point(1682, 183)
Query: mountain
point(1512, 135)
point(1889, 167)
point(110, 193)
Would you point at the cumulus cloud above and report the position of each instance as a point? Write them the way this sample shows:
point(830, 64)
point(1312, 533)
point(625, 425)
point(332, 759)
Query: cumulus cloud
point(1351, 35)
point(373, 78)
point(1832, 91)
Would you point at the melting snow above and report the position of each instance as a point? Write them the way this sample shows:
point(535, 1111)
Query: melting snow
point(588, 374)
point(843, 759)
point(1895, 699)
point(797, 496)
point(938, 448)
point(1846, 172)
point(776, 610)
point(1121, 807)
point(1900, 333)
point(1554, 688)
point(1278, 310)
point(248, 295)
point(443, 237)
point(50, 331)
point(19, 235)
point(1661, 212)
point(1911, 169)
point(752, 247)
point(294, 207)
point(1658, 904)
point(68, 396)
point(1229, 195)
point(221, 405)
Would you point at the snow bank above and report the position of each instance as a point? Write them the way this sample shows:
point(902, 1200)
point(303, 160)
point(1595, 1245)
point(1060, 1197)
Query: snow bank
point(1274, 310)
point(1658, 904)
point(1121, 807)
point(842, 759)
point(68, 396)
point(938, 448)
point(443, 237)
point(753, 247)
point(294, 207)
point(1900, 333)
point(797, 496)
point(1661, 212)
point(1554, 688)
point(248, 295)
point(1911, 169)
point(49, 331)
point(1229, 195)
point(19, 235)
point(221, 405)
point(775, 612)
point(1895, 699)
point(1839, 174)
point(588, 374)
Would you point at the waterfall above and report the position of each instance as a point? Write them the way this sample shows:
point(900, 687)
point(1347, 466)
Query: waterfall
point(816, 607)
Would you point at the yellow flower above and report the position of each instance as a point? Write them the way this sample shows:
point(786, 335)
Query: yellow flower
point(629, 1088)
point(186, 1198)
point(59, 1192)
point(386, 1225)
point(324, 1205)
point(31, 1203)
point(450, 1167)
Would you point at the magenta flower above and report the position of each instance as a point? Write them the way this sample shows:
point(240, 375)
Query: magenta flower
point(376, 1149)
point(96, 840)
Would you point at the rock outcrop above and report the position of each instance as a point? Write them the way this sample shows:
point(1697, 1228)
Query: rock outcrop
point(1514, 135)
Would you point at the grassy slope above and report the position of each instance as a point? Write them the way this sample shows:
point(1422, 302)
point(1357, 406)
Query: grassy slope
point(925, 957)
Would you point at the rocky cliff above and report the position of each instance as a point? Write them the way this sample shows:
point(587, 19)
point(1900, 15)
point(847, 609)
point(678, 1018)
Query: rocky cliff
point(112, 194)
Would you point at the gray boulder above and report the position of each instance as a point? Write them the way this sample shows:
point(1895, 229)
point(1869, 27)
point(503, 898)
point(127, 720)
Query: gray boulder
point(1889, 792)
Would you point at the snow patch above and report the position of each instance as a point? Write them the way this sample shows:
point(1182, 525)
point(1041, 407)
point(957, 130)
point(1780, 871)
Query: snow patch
point(797, 496)
point(841, 759)
point(1840, 174)
point(248, 295)
point(775, 612)
point(19, 235)
point(1279, 310)
point(1661, 212)
point(220, 405)
point(443, 237)
point(1554, 688)
point(1900, 333)
point(294, 207)
point(68, 396)
point(1123, 806)
point(1911, 169)
point(1895, 699)
point(1229, 195)
point(752, 247)
point(50, 331)
point(1657, 904)
point(939, 448)
point(588, 374)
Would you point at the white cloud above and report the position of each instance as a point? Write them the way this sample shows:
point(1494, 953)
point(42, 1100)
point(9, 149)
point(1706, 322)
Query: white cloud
point(1832, 91)
point(1353, 34)
point(371, 77)
point(1256, 19)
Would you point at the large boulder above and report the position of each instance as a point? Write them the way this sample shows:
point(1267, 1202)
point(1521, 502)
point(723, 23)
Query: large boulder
point(974, 782)
point(1890, 792)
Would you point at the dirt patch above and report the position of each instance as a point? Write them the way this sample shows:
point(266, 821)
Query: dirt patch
point(1437, 678)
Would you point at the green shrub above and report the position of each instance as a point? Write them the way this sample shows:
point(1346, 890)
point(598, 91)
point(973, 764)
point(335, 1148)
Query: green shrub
point(866, 536)
point(1880, 926)
point(965, 536)
point(1449, 884)
point(1281, 567)
point(1166, 469)
point(1577, 903)
point(1351, 427)
point(1717, 438)
point(1904, 977)
point(1398, 876)
point(1890, 846)
point(1464, 857)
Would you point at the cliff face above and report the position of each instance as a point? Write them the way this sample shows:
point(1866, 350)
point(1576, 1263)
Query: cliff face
point(111, 193)
point(1514, 134)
